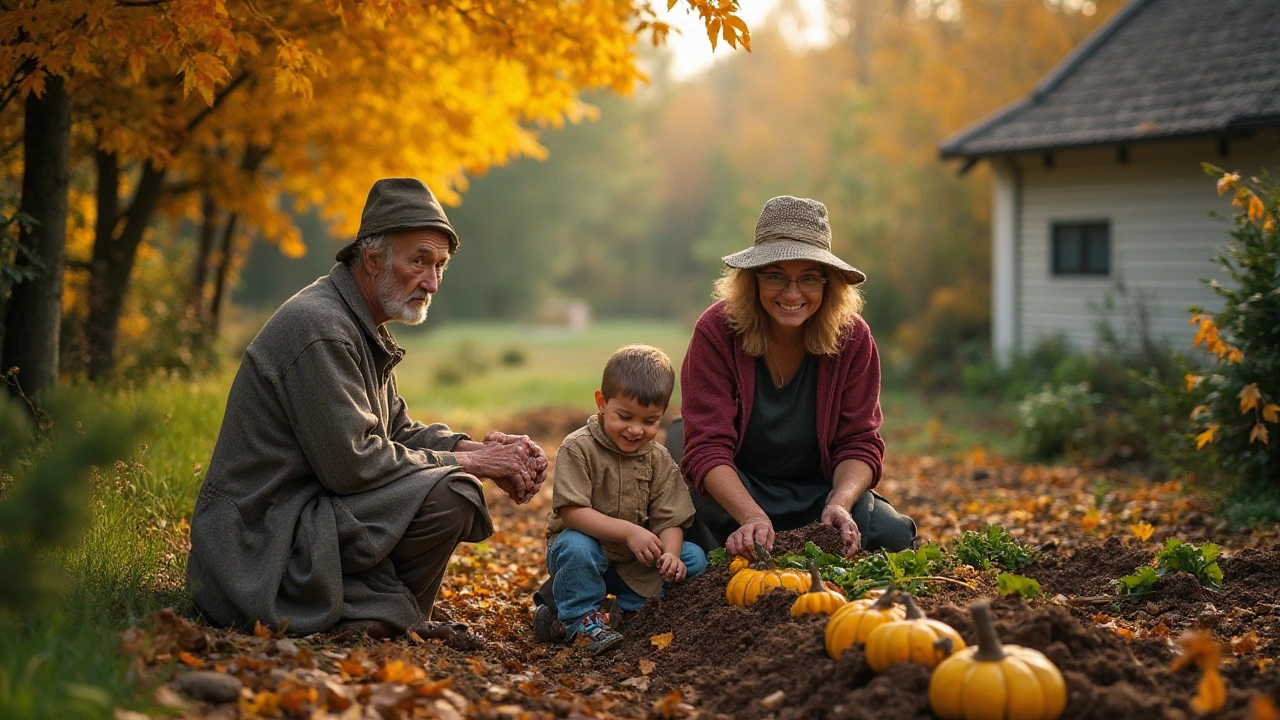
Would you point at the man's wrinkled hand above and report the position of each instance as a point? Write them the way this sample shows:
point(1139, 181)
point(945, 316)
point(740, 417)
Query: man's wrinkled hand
point(536, 468)
point(516, 467)
point(743, 540)
point(838, 517)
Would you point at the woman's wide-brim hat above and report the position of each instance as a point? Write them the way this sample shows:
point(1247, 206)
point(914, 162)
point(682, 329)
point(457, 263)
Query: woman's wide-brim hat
point(792, 228)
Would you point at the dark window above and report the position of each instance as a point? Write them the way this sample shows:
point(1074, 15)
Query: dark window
point(1082, 248)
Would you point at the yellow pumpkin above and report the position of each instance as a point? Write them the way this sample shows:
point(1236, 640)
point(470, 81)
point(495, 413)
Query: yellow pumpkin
point(996, 682)
point(819, 600)
point(738, 563)
point(915, 639)
point(855, 621)
point(746, 586)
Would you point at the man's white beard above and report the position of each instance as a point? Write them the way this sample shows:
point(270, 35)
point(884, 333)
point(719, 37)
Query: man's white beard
point(394, 307)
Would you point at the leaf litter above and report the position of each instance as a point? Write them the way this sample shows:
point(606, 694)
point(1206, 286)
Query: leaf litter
point(693, 656)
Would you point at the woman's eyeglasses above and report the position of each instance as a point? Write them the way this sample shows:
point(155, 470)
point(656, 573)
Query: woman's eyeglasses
point(777, 282)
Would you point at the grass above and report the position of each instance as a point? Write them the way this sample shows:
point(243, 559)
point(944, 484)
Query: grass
point(60, 662)
point(946, 424)
point(457, 373)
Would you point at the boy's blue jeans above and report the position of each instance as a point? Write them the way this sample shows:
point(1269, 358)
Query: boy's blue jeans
point(581, 575)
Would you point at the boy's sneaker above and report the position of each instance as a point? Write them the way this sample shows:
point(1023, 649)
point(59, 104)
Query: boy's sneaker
point(547, 628)
point(592, 634)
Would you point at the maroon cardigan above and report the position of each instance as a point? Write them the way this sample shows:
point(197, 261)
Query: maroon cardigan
point(717, 382)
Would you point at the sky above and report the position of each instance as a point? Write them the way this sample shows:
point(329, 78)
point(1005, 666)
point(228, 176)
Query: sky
point(692, 51)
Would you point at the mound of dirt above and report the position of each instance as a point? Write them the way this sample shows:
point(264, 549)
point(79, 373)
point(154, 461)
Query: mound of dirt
point(762, 663)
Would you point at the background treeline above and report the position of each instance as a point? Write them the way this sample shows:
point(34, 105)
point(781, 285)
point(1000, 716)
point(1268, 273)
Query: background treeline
point(631, 212)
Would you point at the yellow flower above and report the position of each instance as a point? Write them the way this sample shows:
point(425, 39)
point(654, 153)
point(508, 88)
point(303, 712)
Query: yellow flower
point(1235, 356)
point(1227, 181)
point(1142, 530)
point(1200, 410)
point(1192, 381)
point(1256, 208)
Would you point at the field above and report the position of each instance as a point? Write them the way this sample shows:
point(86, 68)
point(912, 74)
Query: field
point(948, 467)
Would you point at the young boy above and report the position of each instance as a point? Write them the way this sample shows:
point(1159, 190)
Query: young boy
point(619, 506)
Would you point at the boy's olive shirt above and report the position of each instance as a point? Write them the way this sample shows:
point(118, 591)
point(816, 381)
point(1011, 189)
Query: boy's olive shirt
point(644, 488)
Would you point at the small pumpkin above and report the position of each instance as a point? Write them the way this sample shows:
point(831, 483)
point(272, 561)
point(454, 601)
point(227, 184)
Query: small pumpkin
point(763, 575)
point(855, 621)
point(996, 682)
point(819, 600)
point(739, 562)
point(915, 639)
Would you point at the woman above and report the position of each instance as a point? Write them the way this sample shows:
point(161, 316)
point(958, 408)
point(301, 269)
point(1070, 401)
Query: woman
point(781, 396)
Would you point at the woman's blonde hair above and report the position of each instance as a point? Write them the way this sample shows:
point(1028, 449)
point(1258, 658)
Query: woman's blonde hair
point(740, 290)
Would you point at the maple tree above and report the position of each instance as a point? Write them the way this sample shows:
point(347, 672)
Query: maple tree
point(218, 111)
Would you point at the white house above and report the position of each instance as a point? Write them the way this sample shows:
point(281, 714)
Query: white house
point(1097, 172)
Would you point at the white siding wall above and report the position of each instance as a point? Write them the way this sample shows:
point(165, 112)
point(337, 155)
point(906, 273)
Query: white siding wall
point(1162, 238)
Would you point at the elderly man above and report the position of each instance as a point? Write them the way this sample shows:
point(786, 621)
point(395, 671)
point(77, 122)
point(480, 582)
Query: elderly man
point(326, 507)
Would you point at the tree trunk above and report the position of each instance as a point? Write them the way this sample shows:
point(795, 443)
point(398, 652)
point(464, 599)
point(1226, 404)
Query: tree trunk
point(200, 265)
point(224, 271)
point(113, 260)
point(34, 317)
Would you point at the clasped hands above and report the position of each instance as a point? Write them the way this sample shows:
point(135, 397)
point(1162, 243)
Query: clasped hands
point(759, 529)
point(648, 550)
point(514, 463)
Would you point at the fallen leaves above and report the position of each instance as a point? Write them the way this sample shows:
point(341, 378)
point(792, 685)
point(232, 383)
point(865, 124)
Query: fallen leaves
point(1200, 649)
point(1142, 531)
point(489, 586)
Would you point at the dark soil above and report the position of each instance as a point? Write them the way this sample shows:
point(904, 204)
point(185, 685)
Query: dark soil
point(734, 662)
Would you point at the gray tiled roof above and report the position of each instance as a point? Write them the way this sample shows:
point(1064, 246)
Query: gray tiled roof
point(1158, 69)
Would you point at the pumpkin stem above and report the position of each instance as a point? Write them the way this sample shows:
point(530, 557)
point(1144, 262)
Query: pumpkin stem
point(885, 601)
point(989, 647)
point(913, 611)
point(815, 580)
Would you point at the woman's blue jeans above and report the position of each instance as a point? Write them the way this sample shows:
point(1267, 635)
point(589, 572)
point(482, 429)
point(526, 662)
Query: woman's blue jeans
point(581, 575)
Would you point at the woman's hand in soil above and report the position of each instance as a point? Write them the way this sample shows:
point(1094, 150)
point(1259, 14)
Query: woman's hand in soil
point(644, 545)
point(838, 517)
point(754, 530)
point(671, 567)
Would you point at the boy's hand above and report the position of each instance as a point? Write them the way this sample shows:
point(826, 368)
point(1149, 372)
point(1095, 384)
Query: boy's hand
point(671, 567)
point(644, 545)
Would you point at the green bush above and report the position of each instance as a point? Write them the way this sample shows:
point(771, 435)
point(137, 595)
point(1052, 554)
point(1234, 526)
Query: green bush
point(1238, 399)
point(1056, 419)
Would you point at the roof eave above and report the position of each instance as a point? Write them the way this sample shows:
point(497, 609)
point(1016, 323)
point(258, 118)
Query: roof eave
point(953, 146)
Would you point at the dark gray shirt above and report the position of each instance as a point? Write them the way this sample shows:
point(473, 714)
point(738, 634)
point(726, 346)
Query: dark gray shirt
point(780, 463)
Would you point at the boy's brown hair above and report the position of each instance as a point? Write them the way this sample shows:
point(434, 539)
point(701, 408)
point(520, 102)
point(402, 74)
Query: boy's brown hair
point(640, 372)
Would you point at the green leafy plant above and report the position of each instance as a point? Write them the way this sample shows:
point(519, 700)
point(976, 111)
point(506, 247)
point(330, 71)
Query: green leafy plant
point(992, 547)
point(719, 556)
point(1199, 561)
point(908, 570)
point(1010, 584)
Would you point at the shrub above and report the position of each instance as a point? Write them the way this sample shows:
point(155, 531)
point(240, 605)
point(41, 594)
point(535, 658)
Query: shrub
point(1056, 419)
point(1239, 397)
